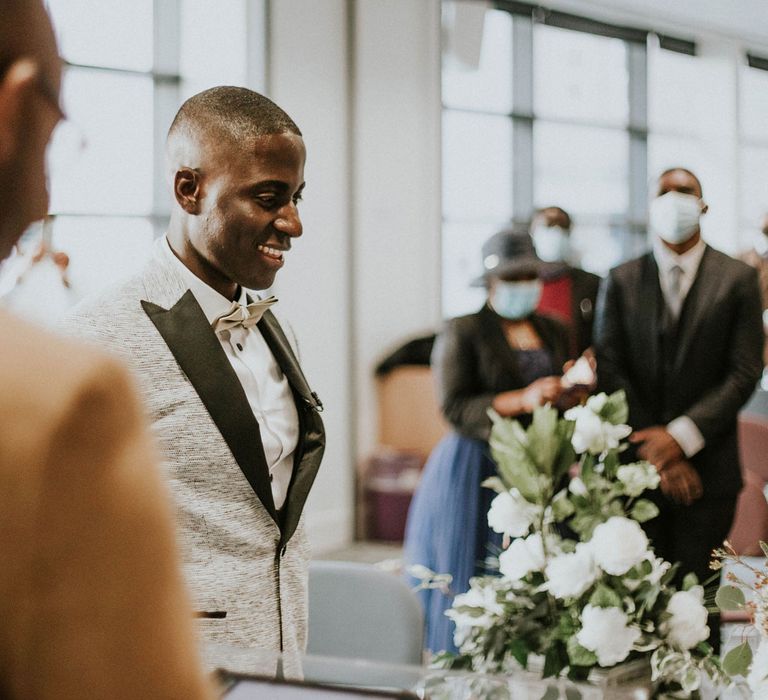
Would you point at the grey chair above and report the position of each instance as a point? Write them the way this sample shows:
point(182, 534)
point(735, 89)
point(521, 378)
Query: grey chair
point(358, 611)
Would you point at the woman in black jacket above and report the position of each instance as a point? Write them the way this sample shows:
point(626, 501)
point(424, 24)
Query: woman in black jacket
point(504, 357)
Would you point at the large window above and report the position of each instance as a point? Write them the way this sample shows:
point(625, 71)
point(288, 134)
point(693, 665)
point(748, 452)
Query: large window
point(753, 201)
point(128, 67)
point(537, 115)
point(547, 108)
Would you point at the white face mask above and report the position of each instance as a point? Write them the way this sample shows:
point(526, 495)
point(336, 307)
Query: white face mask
point(551, 242)
point(674, 216)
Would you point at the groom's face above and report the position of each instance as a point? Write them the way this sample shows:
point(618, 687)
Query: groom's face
point(249, 208)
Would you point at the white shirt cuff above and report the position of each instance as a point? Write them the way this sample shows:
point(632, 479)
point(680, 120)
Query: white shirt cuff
point(687, 435)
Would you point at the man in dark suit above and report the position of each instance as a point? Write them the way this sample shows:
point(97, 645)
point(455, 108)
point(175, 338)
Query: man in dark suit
point(679, 329)
point(569, 293)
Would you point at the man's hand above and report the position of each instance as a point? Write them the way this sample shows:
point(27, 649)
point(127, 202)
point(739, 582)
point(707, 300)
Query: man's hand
point(657, 446)
point(681, 483)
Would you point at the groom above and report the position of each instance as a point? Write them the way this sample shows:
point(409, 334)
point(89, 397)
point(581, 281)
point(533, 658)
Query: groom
point(236, 419)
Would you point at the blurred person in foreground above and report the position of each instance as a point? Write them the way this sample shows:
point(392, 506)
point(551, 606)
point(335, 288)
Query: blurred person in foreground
point(505, 357)
point(91, 599)
point(568, 292)
point(757, 257)
point(239, 426)
point(679, 329)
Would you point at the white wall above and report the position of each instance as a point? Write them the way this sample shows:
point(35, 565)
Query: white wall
point(308, 78)
point(397, 217)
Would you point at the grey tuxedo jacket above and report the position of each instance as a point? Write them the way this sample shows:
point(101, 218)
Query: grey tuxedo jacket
point(711, 363)
point(245, 563)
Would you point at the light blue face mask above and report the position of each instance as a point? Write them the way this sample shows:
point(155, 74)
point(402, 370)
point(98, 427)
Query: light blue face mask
point(515, 300)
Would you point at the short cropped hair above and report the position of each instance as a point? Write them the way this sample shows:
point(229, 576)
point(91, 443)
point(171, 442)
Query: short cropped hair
point(236, 113)
point(679, 169)
point(556, 210)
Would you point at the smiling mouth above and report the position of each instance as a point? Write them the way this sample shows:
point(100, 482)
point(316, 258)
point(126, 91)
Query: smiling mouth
point(269, 252)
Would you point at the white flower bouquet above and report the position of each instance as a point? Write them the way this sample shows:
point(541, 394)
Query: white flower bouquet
point(579, 585)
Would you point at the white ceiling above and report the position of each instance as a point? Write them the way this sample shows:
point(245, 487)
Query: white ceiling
point(745, 21)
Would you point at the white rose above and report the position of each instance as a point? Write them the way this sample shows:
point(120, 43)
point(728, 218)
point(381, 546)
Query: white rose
point(605, 632)
point(521, 557)
point(687, 625)
point(485, 610)
point(577, 487)
point(597, 402)
point(510, 514)
point(618, 544)
point(757, 679)
point(571, 574)
point(638, 477)
point(592, 434)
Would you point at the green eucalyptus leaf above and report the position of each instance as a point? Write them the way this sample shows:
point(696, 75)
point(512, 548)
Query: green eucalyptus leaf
point(764, 547)
point(644, 510)
point(543, 442)
point(578, 655)
point(690, 580)
point(736, 662)
point(691, 679)
point(555, 660)
point(616, 409)
point(519, 650)
point(605, 597)
point(730, 598)
point(562, 507)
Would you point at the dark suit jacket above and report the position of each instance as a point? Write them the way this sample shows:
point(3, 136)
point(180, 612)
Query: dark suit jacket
point(716, 359)
point(473, 362)
point(584, 288)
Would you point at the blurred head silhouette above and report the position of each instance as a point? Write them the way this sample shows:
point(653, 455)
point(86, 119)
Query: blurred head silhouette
point(30, 79)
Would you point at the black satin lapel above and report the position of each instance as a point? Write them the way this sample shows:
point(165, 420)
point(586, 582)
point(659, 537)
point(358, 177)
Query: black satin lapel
point(493, 334)
point(283, 353)
point(189, 337)
point(695, 307)
point(309, 451)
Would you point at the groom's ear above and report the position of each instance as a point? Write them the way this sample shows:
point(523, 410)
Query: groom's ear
point(187, 189)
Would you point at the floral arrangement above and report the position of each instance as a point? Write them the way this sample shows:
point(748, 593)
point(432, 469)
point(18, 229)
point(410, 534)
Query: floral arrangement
point(580, 586)
point(740, 661)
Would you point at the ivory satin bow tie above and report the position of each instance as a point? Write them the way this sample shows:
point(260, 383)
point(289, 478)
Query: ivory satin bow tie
point(239, 315)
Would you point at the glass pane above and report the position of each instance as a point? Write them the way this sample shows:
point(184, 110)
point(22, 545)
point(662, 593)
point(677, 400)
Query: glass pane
point(462, 263)
point(477, 166)
point(110, 33)
point(472, 79)
point(112, 170)
point(206, 28)
point(674, 84)
point(102, 250)
point(579, 76)
point(754, 185)
point(753, 90)
point(675, 151)
point(581, 169)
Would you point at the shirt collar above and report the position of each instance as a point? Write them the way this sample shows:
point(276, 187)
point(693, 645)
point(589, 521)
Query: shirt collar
point(689, 261)
point(211, 302)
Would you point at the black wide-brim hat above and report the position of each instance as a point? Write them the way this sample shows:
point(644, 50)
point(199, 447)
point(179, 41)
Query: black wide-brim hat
point(510, 253)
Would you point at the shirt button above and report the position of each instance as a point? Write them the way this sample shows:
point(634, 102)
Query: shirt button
point(239, 347)
point(271, 478)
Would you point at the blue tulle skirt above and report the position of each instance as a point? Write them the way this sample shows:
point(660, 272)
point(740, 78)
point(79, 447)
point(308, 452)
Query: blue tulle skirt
point(447, 529)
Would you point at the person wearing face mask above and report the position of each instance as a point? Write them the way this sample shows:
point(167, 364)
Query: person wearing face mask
point(679, 329)
point(506, 357)
point(568, 293)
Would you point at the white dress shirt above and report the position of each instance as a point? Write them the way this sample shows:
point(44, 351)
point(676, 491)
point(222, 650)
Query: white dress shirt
point(682, 429)
point(264, 383)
